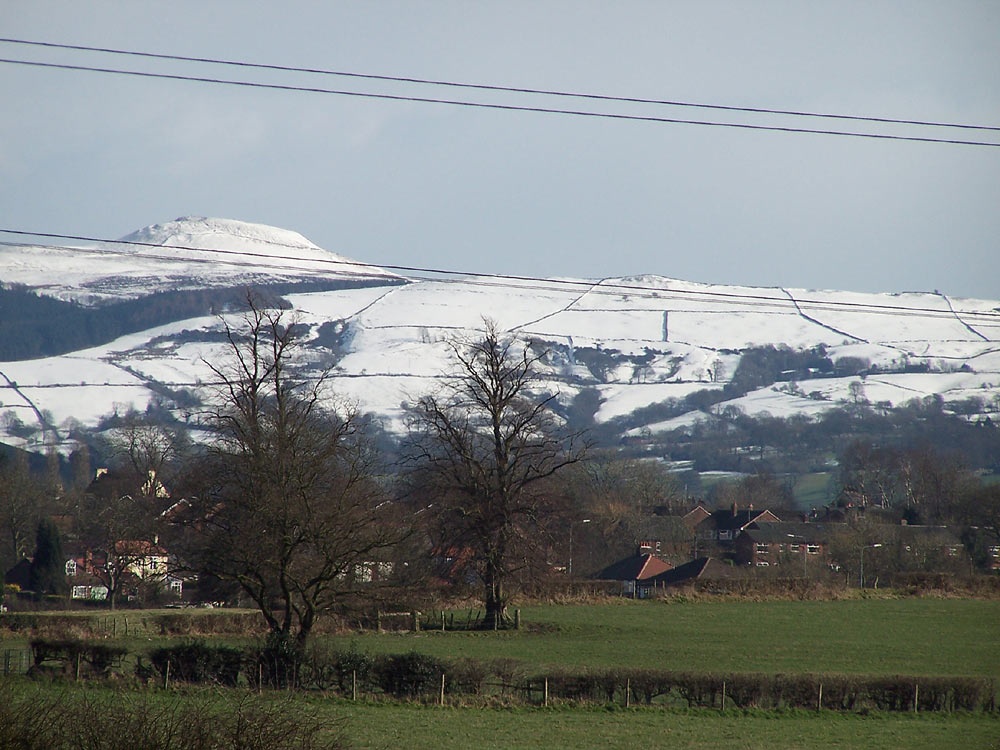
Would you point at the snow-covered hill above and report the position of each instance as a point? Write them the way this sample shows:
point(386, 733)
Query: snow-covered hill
point(633, 341)
point(188, 253)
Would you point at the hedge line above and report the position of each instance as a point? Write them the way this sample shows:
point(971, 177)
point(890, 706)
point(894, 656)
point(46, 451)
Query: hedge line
point(413, 675)
point(758, 690)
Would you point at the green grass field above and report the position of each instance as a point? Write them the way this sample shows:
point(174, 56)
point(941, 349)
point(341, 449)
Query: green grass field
point(874, 636)
point(386, 726)
point(433, 728)
point(912, 636)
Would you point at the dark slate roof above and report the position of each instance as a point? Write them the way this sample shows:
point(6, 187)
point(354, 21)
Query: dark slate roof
point(728, 519)
point(793, 532)
point(937, 535)
point(20, 574)
point(703, 568)
point(634, 568)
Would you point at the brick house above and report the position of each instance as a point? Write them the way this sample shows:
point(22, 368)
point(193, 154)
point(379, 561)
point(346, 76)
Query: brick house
point(721, 528)
point(632, 571)
point(802, 545)
point(702, 569)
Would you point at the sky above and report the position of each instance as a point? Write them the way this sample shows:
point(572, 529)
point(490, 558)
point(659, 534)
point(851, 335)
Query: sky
point(406, 183)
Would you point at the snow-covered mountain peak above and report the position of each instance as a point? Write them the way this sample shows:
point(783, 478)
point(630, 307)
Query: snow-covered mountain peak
point(184, 254)
point(196, 233)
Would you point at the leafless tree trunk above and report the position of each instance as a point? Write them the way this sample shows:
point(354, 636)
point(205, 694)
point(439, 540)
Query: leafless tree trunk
point(286, 504)
point(485, 452)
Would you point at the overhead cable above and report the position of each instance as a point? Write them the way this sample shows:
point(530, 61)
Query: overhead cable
point(491, 87)
point(498, 106)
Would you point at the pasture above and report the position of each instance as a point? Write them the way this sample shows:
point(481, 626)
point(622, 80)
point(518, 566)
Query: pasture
point(868, 636)
point(877, 635)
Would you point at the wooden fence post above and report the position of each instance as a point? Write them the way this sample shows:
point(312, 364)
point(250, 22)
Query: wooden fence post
point(819, 700)
point(442, 688)
point(354, 685)
point(545, 692)
point(166, 676)
point(723, 695)
point(628, 691)
point(916, 696)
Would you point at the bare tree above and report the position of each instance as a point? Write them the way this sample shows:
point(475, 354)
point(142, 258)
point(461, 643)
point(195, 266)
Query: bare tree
point(146, 448)
point(485, 451)
point(286, 504)
point(22, 496)
point(615, 498)
point(116, 520)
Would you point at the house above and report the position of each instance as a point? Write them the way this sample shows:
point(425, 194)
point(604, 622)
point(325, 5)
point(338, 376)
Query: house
point(920, 547)
point(722, 527)
point(667, 537)
point(131, 564)
point(786, 544)
point(142, 558)
point(632, 571)
point(108, 483)
point(19, 575)
point(700, 569)
point(83, 573)
point(696, 515)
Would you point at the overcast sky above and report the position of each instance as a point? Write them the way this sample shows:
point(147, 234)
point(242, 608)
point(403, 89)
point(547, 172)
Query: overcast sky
point(442, 186)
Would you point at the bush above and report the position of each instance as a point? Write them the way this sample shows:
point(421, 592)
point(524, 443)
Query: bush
point(409, 675)
point(198, 662)
point(96, 659)
point(325, 668)
point(276, 663)
point(467, 676)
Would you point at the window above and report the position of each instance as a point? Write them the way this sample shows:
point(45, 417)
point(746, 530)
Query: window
point(71, 567)
point(762, 548)
point(812, 549)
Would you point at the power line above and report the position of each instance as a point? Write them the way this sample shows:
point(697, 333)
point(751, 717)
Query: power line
point(496, 106)
point(506, 89)
point(783, 302)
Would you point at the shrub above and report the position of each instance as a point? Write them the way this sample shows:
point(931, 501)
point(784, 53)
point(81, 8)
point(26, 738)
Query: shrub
point(325, 668)
point(91, 658)
point(467, 676)
point(198, 662)
point(409, 675)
